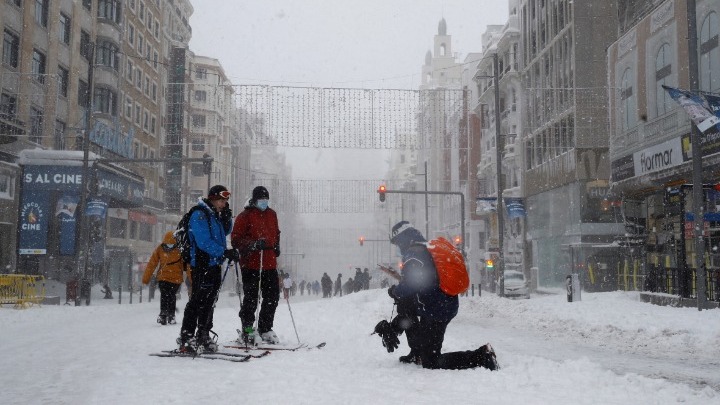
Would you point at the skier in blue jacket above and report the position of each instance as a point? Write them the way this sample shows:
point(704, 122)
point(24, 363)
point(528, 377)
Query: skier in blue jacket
point(208, 227)
point(424, 310)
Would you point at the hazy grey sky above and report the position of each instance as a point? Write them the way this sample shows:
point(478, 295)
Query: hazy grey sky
point(335, 43)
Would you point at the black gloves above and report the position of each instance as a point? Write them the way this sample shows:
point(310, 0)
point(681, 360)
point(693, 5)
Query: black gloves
point(389, 338)
point(258, 245)
point(276, 249)
point(232, 255)
point(226, 215)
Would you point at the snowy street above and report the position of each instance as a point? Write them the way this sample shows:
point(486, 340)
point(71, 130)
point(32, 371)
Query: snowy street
point(610, 348)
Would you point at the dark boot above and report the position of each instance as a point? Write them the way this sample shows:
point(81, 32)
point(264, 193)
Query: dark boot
point(162, 319)
point(206, 343)
point(485, 357)
point(410, 358)
point(186, 343)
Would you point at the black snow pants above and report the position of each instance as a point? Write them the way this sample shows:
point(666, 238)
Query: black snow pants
point(199, 310)
point(269, 284)
point(425, 337)
point(168, 296)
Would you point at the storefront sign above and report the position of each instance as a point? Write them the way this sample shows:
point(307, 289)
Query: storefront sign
point(515, 207)
point(33, 223)
point(112, 140)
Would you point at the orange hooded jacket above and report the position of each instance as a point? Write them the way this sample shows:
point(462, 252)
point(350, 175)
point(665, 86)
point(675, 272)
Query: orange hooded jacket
point(169, 261)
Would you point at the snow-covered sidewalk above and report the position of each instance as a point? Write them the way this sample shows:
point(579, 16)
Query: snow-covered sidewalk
point(609, 348)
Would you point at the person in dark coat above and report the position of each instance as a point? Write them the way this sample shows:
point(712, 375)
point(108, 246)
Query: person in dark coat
point(358, 280)
point(326, 282)
point(338, 285)
point(366, 279)
point(256, 234)
point(424, 311)
point(209, 226)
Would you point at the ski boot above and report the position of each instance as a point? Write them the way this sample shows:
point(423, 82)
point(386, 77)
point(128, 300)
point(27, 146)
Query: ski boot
point(485, 357)
point(171, 320)
point(249, 336)
point(270, 337)
point(161, 319)
point(205, 342)
point(186, 344)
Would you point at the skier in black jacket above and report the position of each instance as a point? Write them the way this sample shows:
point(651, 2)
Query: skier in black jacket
point(424, 311)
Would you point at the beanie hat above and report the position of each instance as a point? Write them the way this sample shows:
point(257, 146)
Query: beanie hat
point(260, 193)
point(217, 192)
point(403, 235)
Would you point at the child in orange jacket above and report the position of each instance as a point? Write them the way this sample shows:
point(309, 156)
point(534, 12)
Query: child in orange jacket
point(169, 265)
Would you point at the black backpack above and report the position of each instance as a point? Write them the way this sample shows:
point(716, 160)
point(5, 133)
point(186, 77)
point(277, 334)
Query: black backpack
point(182, 235)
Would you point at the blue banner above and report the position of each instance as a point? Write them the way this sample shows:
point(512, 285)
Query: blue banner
point(95, 214)
point(33, 224)
point(515, 207)
point(66, 219)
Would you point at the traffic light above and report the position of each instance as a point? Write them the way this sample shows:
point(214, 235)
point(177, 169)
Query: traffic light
point(381, 191)
point(489, 264)
point(207, 164)
point(362, 240)
point(457, 239)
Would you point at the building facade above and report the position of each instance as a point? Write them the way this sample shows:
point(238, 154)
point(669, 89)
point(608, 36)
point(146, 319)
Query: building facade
point(650, 146)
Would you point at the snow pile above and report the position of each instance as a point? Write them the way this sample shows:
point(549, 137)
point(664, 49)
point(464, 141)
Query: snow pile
point(551, 352)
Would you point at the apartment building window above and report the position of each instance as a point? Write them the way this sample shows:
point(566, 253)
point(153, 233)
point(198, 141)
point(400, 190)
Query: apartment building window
point(131, 35)
point(109, 10)
point(146, 89)
point(8, 106)
point(85, 45)
point(36, 123)
point(142, 11)
point(138, 79)
point(128, 107)
point(59, 135)
point(200, 95)
point(83, 93)
point(141, 45)
point(107, 54)
point(663, 69)
point(146, 121)
point(709, 54)
point(131, 3)
point(628, 104)
point(154, 91)
point(129, 71)
point(197, 144)
point(198, 120)
point(11, 49)
point(156, 31)
point(201, 73)
point(63, 81)
point(149, 21)
point(105, 101)
point(65, 28)
point(39, 67)
point(41, 12)
point(138, 113)
point(155, 60)
point(7, 189)
point(153, 125)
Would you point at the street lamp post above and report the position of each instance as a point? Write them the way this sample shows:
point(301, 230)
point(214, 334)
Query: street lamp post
point(499, 146)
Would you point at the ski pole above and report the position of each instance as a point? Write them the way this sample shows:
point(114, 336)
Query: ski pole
point(293, 319)
point(257, 310)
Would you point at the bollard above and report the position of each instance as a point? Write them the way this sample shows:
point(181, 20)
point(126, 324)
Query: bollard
point(472, 287)
point(120, 294)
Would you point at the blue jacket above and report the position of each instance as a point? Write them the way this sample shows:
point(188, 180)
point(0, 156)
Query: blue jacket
point(208, 236)
point(420, 283)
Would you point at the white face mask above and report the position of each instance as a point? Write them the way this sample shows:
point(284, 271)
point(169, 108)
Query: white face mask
point(262, 204)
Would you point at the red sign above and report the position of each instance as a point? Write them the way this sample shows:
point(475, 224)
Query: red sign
point(690, 231)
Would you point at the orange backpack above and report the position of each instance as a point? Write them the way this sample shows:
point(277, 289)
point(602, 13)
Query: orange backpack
point(450, 265)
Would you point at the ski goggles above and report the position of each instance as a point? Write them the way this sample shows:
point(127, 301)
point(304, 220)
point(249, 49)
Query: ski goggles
point(223, 194)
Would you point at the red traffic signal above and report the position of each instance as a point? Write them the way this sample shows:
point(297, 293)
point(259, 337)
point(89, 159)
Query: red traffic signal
point(362, 240)
point(381, 191)
point(457, 239)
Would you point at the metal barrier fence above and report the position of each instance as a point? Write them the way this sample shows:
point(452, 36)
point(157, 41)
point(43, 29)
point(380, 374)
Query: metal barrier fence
point(21, 290)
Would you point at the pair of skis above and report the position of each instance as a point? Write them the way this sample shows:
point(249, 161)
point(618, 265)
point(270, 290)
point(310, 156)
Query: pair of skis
point(238, 353)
